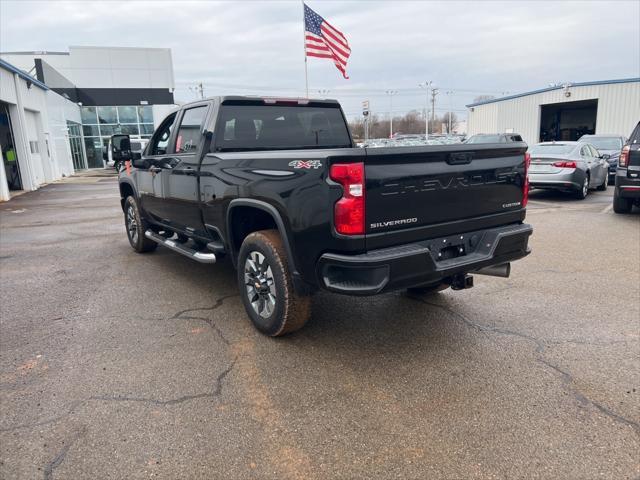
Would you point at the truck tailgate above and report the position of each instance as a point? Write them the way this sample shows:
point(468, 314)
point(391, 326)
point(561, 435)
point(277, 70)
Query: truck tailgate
point(421, 192)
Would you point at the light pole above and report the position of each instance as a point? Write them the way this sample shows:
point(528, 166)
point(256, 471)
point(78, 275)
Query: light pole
point(391, 93)
point(449, 93)
point(426, 86)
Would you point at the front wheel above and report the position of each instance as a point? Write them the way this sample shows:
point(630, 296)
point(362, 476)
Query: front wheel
point(136, 227)
point(266, 288)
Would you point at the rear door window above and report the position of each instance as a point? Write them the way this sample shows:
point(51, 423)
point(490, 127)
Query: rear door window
point(190, 130)
point(245, 127)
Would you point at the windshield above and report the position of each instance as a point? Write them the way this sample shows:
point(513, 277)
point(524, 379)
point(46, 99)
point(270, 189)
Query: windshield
point(605, 143)
point(486, 139)
point(551, 148)
point(280, 127)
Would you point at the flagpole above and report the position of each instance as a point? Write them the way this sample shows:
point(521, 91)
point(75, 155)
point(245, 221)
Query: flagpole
point(304, 44)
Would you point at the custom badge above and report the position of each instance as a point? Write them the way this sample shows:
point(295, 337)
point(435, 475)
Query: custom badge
point(307, 164)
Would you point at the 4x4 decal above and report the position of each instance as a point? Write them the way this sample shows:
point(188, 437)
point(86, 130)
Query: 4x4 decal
point(308, 164)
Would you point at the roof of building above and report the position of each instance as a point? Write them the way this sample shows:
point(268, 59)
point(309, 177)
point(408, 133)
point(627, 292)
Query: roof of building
point(22, 74)
point(558, 87)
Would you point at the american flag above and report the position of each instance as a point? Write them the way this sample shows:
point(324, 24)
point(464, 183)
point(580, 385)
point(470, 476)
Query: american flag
point(325, 41)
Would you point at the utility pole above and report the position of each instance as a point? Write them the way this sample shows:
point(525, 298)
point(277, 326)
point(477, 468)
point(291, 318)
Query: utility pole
point(449, 93)
point(198, 90)
point(426, 86)
point(434, 92)
point(391, 93)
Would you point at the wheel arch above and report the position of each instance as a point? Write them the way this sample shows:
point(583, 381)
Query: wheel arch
point(236, 235)
point(126, 189)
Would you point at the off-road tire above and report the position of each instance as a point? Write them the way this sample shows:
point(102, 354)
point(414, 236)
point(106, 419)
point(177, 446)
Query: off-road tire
point(138, 241)
point(427, 289)
point(621, 204)
point(290, 311)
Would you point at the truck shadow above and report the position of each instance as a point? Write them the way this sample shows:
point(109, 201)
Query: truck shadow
point(378, 325)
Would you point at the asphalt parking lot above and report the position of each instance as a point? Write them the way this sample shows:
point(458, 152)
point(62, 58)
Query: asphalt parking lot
point(119, 365)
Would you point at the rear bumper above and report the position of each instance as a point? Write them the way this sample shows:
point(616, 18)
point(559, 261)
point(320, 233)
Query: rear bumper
point(572, 180)
point(425, 262)
point(628, 182)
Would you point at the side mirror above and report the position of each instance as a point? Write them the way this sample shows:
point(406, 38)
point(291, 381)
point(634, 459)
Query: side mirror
point(606, 156)
point(140, 163)
point(121, 147)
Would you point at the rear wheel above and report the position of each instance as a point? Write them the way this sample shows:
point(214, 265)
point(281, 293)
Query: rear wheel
point(620, 204)
point(428, 289)
point(266, 288)
point(584, 191)
point(136, 226)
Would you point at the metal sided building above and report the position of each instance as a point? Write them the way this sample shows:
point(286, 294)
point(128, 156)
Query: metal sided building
point(564, 112)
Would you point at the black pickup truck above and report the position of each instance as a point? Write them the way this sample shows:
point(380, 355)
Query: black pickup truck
point(279, 187)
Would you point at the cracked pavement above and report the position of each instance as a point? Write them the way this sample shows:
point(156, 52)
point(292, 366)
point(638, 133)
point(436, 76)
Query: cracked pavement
point(118, 365)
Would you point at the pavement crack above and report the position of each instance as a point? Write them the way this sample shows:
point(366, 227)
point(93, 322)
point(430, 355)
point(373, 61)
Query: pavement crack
point(566, 378)
point(62, 454)
point(184, 315)
point(216, 392)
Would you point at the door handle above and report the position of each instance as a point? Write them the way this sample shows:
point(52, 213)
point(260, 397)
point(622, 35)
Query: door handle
point(155, 169)
point(184, 171)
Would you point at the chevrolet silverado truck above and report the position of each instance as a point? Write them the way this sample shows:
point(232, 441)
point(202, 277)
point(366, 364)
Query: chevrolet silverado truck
point(278, 186)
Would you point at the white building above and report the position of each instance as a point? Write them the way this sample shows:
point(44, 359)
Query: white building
point(561, 112)
point(120, 90)
point(34, 132)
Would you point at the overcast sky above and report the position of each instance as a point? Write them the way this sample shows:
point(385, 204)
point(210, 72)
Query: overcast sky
point(468, 48)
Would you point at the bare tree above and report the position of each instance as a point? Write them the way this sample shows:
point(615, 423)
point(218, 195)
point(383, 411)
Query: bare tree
point(483, 98)
point(444, 120)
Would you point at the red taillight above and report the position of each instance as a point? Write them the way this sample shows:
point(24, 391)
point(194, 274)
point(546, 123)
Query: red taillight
point(348, 213)
point(623, 161)
point(565, 164)
point(525, 186)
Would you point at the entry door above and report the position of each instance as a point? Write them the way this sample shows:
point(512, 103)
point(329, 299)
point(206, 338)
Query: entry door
point(181, 197)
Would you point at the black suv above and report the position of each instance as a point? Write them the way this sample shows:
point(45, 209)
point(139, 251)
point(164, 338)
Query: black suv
point(627, 192)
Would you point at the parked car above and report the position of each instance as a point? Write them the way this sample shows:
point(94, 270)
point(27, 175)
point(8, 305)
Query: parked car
point(494, 138)
point(627, 192)
point(568, 166)
point(279, 187)
point(609, 146)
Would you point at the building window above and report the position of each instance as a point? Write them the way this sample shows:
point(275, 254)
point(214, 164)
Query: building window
point(145, 114)
point(146, 128)
point(89, 116)
point(107, 115)
point(93, 146)
point(91, 130)
point(99, 123)
point(127, 115)
point(75, 144)
point(130, 129)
